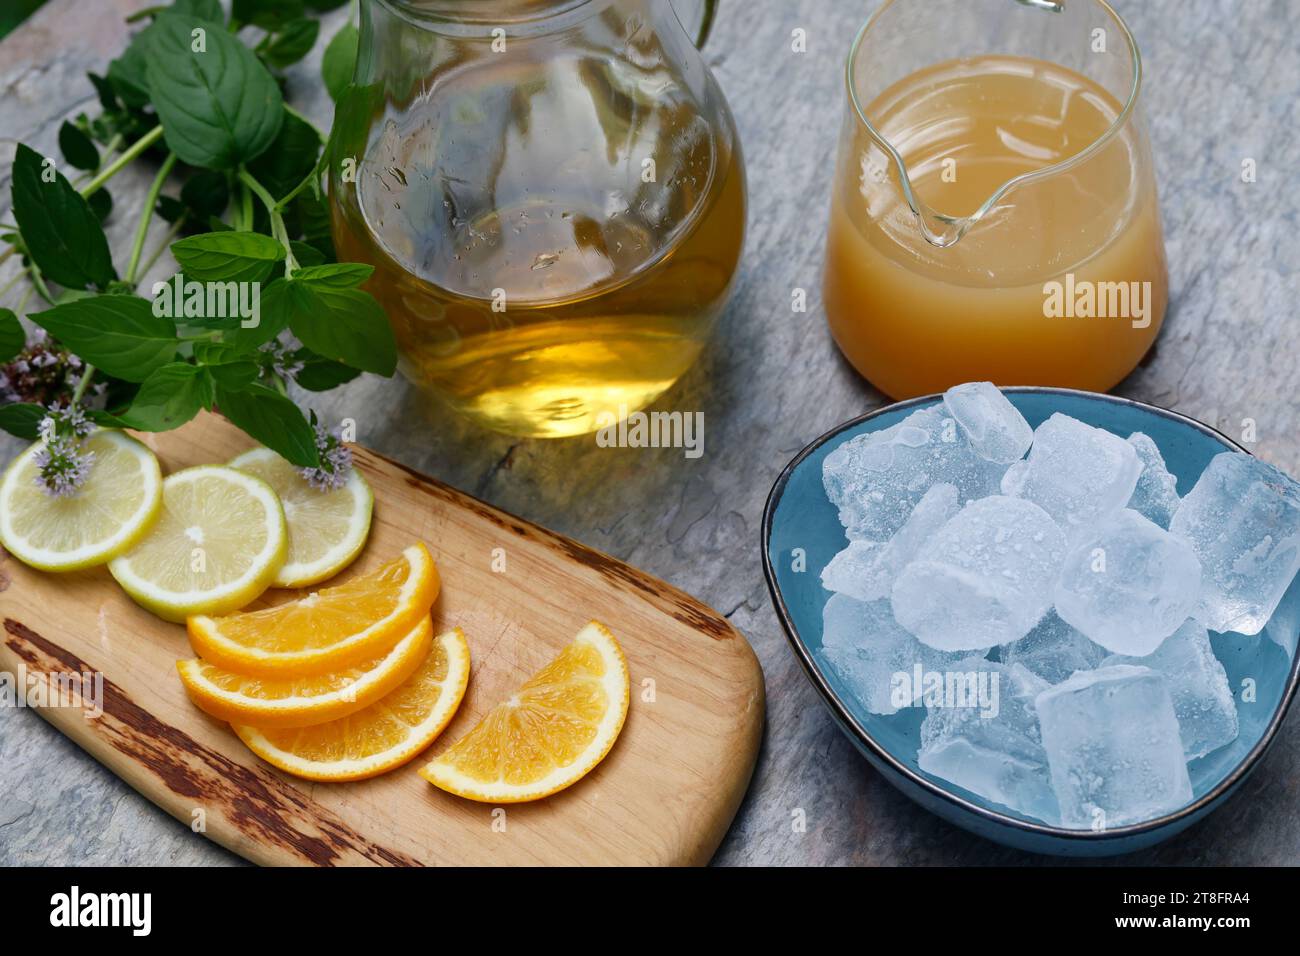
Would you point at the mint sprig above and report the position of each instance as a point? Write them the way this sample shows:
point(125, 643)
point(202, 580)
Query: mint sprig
point(237, 178)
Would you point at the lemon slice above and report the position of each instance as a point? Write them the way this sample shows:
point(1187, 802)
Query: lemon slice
point(329, 629)
point(215, 547)
point(304, 701)
point(327, 529)
point(107, 515)
point(550, 734)
point(387, 734)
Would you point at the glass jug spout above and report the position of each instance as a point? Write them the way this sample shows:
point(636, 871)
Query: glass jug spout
point(1082, 107)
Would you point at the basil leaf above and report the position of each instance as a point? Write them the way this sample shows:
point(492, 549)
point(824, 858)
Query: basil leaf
point(101, 203)
point(234, 375)
point(117, 333)
point(292, 42)
point(129, 73)
point(273, 316)
point(206, 193)
point(290, 159)
point(307, 255)
point(270, 418)
point(22, 419)
point(61, 231)
point(267, 14)
point(12, 337)
point(170, 209)
point(340, 60)
point(203, 9)
point(168, 398)
point(228, 256)
point(77, 147)
point(321, 374)
point(219, 106)
point(104, 89)
point(338, 275)
point(346, 325)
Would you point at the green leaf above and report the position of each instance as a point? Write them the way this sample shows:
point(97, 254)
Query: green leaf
point(290, 159)
point(270, 418)
point(273, 316)
point(340, 60)
point(77, 147)
point(61, 231)
point(267, 14)
point(22, 419)
point(206, 193)
point(170, 209)
point(292, 42)
point(219, 106)
point(12, 337)
point(104, 89)
point(228, 256)
point(117, 333)
point(101, 203)
point(169, 398)
point(321, 374)
point(337, 275)
point(307, 255)
point(346, 325)
point(129, 73)
point(203, 9)
point(234, 375)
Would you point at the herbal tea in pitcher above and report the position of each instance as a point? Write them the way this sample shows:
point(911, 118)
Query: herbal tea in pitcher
point(554, 223)
point(994, 215)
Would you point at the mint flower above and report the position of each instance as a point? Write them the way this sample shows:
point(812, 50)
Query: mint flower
point(335, 460)
point(64, 462)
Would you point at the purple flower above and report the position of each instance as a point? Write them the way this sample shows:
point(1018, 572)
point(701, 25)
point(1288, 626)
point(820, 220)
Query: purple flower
point(63, 463)
point(335, 461)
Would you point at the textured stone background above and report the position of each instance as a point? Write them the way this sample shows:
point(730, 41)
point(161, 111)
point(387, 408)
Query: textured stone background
point(1223, 84)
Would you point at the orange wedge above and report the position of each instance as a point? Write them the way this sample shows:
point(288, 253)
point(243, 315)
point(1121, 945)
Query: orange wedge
point(554, 730)
point(329, 630)
point(384, 735)
point(304, 701)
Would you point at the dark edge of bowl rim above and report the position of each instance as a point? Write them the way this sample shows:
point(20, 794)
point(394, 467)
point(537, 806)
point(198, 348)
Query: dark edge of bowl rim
point(865, 739)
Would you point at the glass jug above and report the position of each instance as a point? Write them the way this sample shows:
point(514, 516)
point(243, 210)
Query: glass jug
point(994, 214)
point(552, 195)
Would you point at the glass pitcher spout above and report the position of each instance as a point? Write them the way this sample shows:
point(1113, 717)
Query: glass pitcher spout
point(945, 33)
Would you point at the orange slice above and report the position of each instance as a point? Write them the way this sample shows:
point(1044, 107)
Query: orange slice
point(303, 701)
point(384, 735)
point(550, 734)
point(329, 630)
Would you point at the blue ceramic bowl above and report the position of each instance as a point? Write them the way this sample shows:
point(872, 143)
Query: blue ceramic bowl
point(799, 516)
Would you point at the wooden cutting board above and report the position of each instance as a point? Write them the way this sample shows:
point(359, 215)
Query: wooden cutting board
point(665, 794)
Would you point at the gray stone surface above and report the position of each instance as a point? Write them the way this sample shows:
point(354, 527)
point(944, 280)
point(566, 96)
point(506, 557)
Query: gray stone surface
point(1223, 85)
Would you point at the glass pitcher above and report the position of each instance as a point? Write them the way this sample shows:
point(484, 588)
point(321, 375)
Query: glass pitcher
point(552, 195)
point(994, 214)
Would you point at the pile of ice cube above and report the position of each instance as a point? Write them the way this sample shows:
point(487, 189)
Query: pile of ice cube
point(1050, 609)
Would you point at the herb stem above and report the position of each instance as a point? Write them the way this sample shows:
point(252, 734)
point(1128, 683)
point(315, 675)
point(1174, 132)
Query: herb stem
point(80, 390)
point(142, 231)
point(163, 246)
point(124, 160)
point(277, 220)
point(39, 281)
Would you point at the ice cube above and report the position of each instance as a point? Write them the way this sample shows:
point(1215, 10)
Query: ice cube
point(1242, 519)
point(866, 570)
point(1198, 684)
point(864, 645)
point(875, 480)
point(1076, 473)
point(1128, 585)
point(993, 426)
point(1113, 747)
point(1283, 628)
point(1054, 650)
point(984, 578)
point(983, 736)
point(1156, 494)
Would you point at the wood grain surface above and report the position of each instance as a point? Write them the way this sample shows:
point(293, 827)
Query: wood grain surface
point(665, 794)
point(1222, 85)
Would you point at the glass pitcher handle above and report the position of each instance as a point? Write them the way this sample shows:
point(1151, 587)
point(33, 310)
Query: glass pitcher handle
point(697, 18)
